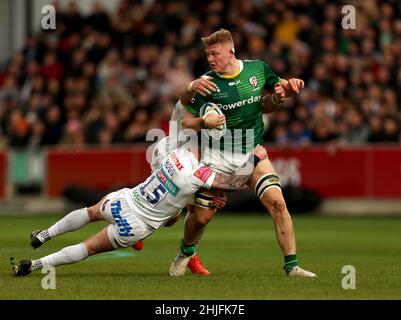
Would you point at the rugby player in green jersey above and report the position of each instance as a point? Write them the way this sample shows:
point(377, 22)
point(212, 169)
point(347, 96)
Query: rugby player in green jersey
point(236, 87)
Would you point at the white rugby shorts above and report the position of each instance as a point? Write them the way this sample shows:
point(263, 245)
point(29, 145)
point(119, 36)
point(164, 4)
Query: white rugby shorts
point(125, 228)
point(225, 162)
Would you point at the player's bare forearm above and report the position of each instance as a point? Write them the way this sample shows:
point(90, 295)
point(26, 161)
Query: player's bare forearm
point(192, 122)
point(272, 102)
point(227, 182)
point(287, 88)
point(206, 122)
point(236, 180)
point(185, 95)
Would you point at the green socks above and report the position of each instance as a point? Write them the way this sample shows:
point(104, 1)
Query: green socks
point(187, 250)
point(290, 262)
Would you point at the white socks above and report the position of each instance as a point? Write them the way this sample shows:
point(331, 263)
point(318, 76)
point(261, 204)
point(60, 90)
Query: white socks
point(71, 222)
point(66, 255)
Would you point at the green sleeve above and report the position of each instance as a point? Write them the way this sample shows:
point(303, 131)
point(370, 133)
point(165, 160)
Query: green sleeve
point(195, 105)
point(271, 77)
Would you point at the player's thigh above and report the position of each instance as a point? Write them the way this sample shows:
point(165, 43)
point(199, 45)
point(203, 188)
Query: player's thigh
point(265, 183)
point(129, 234)
point(264, 179)
point(263, 168)
point(94, 212)
point(99, 242)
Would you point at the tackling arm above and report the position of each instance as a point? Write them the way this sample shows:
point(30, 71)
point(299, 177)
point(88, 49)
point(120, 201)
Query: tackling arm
point(233, 182)
point(282, 90)
point(227, 182)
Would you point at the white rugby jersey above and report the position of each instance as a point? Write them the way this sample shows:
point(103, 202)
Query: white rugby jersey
point(170, 187)
point(175, 128)
point(177, 116)
point(169, 143)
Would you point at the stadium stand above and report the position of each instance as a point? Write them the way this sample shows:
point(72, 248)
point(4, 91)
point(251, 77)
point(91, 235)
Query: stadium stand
point(109, 78)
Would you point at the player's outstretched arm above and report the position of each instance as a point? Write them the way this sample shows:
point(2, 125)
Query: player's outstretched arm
point(272, 102)
point(282, 91)
point(287, 88)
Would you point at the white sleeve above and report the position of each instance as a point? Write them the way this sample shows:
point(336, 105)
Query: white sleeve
point(209, 182)
point(202, 177)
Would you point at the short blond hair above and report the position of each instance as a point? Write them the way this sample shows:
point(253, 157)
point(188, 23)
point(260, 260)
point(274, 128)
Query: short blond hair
point(221, 36)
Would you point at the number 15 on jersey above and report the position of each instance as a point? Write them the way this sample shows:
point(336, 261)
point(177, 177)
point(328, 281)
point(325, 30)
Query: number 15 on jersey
point(152, 190)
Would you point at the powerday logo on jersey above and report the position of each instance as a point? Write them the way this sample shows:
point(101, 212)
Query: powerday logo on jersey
point(240, 103)
point(253, 81)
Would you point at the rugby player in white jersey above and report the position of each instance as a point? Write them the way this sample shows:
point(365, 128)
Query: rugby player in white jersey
point(136, 213)
point(160, 151)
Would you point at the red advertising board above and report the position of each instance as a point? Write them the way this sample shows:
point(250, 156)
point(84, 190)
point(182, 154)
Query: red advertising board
point(97, 168)
point(362, 172)
point(385, 180)
point(368, 172)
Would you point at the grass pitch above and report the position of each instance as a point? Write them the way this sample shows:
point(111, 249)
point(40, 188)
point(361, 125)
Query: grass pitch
point(241, 252)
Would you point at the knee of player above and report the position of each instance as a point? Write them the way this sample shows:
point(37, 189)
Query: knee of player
point(204, 217)
point(275, 204)
point(278, 205)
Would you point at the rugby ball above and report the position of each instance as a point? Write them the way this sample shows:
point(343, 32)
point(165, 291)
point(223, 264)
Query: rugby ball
point(215, 133)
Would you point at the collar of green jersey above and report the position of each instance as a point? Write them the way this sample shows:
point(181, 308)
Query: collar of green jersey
point(241, 67)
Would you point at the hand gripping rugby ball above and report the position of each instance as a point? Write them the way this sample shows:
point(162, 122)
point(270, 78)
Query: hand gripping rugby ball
point(206, 109)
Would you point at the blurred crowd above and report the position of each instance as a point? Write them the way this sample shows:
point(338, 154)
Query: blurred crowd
point(109, 78)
